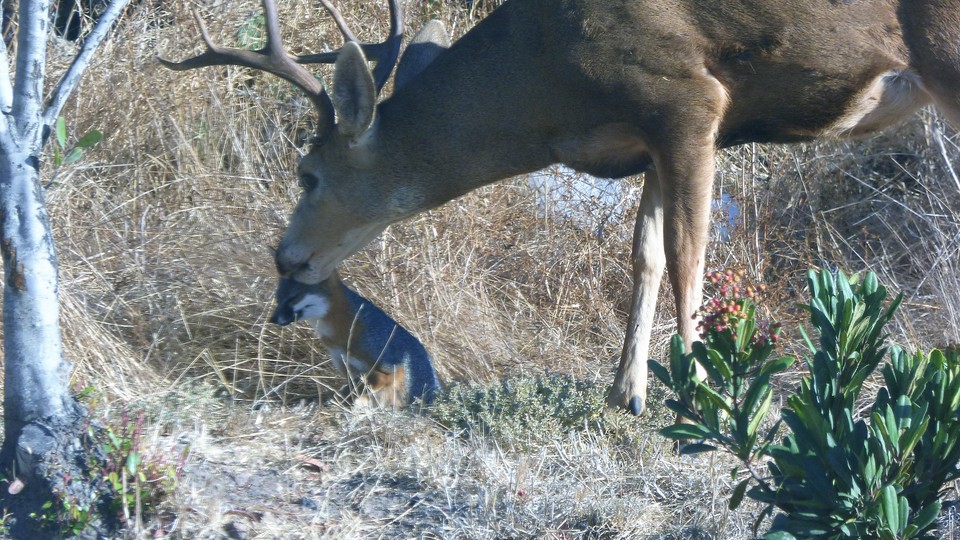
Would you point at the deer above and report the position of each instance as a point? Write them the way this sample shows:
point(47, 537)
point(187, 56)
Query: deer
point(612, 88)
point(378, 357)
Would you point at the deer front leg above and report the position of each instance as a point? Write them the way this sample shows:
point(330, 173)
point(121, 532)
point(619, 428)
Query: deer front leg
point(671, 230)
point(629, 389)
point(687, 183)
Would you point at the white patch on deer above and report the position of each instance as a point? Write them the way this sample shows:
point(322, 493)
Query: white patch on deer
point(889, 98)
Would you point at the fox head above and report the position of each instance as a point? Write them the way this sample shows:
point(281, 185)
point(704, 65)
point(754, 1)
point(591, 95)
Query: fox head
point(300, 301)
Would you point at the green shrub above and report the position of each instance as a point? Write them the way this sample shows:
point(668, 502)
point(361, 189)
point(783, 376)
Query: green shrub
point(521, 410)
point(837, 473)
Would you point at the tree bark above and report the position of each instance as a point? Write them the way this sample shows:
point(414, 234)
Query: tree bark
point(35, 373)
point(46, 453)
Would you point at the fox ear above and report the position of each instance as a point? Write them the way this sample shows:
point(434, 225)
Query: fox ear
point(354, 91)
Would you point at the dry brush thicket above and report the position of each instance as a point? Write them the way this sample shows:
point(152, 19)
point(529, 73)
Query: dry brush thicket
point(164, 234)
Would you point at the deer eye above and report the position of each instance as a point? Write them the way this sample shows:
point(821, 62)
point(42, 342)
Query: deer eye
point(308, 181)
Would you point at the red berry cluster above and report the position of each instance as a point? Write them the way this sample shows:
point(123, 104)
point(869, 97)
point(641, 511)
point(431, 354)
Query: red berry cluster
point(725, 309)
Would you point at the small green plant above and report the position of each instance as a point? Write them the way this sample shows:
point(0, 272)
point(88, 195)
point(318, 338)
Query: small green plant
point(65, 154)
point(522, 409)
point(72, 516)
point(121, 479)
point(252, 34)
point(67, 514)
point(735, 351)
point(5, 523)
point(837, 473)
point(139, 481)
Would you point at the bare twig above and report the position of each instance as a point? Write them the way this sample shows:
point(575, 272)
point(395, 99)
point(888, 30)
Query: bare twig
point(938, 137)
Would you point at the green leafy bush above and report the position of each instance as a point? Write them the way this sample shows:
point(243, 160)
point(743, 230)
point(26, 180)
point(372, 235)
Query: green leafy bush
point(139, 480)
point(837, 473)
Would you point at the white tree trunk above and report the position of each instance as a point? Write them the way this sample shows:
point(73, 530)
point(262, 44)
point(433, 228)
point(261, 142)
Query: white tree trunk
point(35, 373)
point(42, 422)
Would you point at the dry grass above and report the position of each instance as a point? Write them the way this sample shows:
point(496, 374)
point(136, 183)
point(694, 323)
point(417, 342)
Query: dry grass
point(164, 233)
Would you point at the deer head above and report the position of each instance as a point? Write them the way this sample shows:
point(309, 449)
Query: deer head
point(337, 165)
point(330, 221)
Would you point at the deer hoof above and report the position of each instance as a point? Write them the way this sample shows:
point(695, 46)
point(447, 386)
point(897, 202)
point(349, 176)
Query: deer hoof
point(636, 405)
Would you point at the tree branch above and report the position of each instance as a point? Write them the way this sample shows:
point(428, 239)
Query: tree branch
point(31, 66)
point(71, 78)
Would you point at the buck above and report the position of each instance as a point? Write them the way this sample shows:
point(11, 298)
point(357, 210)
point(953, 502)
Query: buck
point(608, 87)
point(376, 355)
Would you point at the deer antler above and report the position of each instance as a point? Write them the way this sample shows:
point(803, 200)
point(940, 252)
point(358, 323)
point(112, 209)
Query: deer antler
point(273, 57)
point(385, 53)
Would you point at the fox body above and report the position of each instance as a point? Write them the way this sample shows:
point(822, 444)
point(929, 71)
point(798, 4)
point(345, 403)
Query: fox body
point(370, 349)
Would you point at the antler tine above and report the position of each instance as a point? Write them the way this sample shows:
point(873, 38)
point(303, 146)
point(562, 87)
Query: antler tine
point(338, 18)
point(391, 46)
point(385, 54)
point(272, 58)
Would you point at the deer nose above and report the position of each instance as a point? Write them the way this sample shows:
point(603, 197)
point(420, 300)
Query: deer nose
point(287, 267)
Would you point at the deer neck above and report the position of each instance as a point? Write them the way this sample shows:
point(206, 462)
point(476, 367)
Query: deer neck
point(450, 130)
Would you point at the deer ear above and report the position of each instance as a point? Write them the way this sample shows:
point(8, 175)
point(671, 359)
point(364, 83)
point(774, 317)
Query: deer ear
point(354, 92)
point(429, 42)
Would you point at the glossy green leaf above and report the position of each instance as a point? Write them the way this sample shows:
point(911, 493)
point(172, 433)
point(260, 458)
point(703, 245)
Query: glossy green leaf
point(61, 131)
point(760, 414)
point(74, 155)
point(925, 517)
point(660, 372)
point(90, 139)
point(685, 431)
point(737, 496)
point(778, 365)
point(133, 462)
point(715, 399)
point(890, 508)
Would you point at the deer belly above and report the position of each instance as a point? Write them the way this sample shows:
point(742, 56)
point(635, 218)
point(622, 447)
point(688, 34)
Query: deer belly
point(607, 151)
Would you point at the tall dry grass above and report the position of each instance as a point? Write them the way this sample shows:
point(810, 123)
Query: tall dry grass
point(164, 234)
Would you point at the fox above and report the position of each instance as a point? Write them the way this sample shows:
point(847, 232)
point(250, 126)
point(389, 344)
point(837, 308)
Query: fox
point(373, 352)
